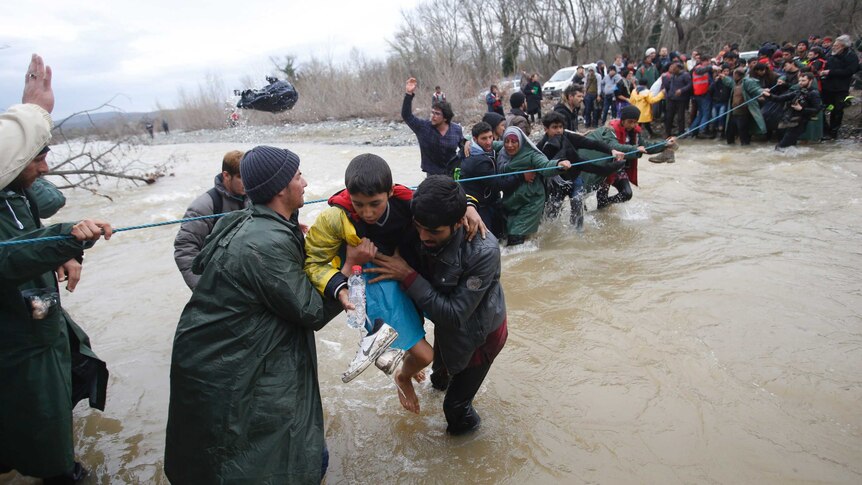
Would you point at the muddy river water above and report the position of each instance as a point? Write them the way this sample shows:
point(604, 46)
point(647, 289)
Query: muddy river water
point(708, 331)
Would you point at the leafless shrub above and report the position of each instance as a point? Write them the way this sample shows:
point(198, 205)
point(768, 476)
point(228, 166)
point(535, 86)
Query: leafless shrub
point(93, 155)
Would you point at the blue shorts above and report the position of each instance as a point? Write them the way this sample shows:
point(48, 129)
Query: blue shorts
point(386, 300)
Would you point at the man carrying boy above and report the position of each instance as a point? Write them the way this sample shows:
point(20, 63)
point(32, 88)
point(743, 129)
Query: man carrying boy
point(373, 215)
point(560, 144)
point(456, 282)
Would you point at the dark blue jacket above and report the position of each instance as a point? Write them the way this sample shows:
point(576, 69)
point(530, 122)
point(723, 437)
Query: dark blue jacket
point(439, 152)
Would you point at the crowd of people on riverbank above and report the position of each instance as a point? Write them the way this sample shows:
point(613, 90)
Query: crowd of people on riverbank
point(803, 90)
point(780, 93)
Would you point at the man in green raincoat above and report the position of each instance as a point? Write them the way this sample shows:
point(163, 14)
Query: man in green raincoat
point(245, 400)
point(744, 117)
point(46, 365)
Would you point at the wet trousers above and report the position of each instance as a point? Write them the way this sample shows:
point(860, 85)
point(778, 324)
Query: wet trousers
point(558, 189)
point(675, 111)
point(739, 125)
point(461, 416)
point(624, 193)
point(836, 100)
point(792, 134)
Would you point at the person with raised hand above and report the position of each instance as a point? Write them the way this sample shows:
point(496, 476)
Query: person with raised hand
point(39, 341)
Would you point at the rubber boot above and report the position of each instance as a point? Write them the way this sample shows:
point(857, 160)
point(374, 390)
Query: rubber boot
point(515, 240)
point(666, 156)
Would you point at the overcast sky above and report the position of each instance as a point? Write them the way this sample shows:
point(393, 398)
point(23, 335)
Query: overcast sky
point(145, 50)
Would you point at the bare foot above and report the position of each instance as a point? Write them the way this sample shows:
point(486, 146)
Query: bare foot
point(419, 376)
point(406, 394)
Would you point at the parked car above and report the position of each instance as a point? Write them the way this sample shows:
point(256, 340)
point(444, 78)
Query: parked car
point(745, 56)
point(561, 79)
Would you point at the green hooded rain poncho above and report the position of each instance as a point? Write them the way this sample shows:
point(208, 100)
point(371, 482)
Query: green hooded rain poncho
point(245, 401)
point(750, 90)
point(46, 364)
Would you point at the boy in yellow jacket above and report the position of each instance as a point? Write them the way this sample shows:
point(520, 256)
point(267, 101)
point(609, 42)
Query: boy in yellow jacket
point(643, 99)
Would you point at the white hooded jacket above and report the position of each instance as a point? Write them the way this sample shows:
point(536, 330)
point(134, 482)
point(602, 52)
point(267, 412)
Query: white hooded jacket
point(25, 129)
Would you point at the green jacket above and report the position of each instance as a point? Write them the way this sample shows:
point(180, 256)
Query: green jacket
point(48, 197)
point(245, 401)
point(524, 206)
point(607, 135)
point(39, 387)
point(814, 129)
point(649, 73)
point(750, 89)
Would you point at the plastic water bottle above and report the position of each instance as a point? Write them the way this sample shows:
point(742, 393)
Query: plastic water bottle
point(356, 295)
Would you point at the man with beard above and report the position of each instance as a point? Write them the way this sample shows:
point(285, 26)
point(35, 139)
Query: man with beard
point(841, 65)
point(245, 401)
point(46, 364)
point(803, 103)
point(457, 286)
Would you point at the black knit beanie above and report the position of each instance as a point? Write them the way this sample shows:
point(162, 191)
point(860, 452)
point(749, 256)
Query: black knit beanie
point(517, 100)
point(630, 113)
point(493, 119)
point(266, 170)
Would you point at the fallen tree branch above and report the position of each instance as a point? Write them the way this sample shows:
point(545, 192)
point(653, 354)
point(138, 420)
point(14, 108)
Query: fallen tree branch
point(148, 179)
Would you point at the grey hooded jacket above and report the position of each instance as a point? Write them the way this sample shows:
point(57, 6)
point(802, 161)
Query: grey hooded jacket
point(191, 236)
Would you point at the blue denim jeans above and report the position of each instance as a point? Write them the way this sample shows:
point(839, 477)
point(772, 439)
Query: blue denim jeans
point(720, 110)
point(589, 107)
point(609, 104)
point(704, 109)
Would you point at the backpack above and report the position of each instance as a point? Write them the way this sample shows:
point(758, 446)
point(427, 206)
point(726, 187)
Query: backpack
point(218, 203)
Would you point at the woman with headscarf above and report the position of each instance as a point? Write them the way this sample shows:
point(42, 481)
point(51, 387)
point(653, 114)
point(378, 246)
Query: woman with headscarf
point(524, 204)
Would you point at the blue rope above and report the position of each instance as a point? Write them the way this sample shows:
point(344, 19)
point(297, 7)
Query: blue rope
point(317, 201)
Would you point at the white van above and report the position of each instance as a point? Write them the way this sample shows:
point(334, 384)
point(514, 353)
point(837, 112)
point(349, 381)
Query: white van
point(561, 79)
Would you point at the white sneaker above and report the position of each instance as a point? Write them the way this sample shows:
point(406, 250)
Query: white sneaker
point(389, 361)
point(370, 348)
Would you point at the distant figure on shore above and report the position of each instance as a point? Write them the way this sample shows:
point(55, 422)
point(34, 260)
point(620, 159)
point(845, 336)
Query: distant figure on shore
point(233, 119)
point(533, 91)
point(165, 127)
point(149, 127)
point(494, 100)
point(438, 96)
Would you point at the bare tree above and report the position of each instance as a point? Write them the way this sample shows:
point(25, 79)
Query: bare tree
point(98, 155)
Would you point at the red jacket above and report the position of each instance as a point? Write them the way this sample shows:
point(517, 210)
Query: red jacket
point(628, 138)
point(342, 199)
